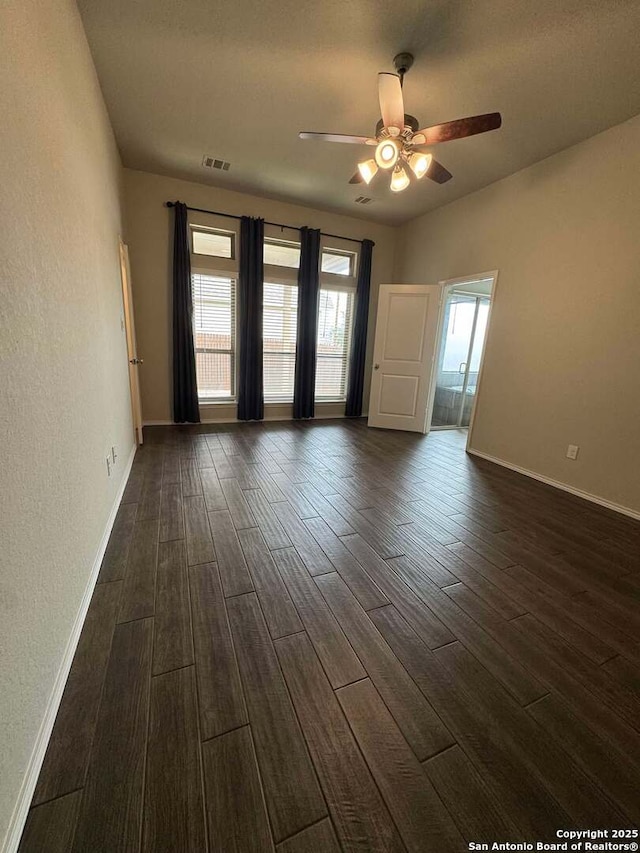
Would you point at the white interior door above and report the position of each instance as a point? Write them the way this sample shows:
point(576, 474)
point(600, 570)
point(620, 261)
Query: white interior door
point(132, 351)
point(403, 353)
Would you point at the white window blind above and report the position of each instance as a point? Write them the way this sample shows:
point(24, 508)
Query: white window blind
point(334, 343)
point(214, 327)
point(279, 327)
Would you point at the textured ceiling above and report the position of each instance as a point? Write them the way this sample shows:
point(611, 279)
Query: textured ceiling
point(238, 79)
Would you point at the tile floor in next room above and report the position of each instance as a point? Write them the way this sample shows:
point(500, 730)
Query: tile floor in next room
point(322, 637)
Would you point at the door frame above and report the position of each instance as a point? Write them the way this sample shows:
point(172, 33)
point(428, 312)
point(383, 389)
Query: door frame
point(131, 343)
point(447, 284)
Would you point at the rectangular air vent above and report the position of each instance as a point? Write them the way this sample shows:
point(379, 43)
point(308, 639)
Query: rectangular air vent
point(362, 199)
point(214, 163)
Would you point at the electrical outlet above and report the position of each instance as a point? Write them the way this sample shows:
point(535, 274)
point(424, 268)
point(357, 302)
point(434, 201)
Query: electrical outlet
point(108, 466)
point(572, 451)
point(114, 455)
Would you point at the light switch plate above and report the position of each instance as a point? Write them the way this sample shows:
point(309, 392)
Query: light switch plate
point(572, 451)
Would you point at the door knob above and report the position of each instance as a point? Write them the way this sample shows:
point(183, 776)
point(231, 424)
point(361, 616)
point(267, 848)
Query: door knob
point(376, 366)
point(136, 361)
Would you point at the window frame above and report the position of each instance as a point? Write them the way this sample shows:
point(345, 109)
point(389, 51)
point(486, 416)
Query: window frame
point(344, 253)
point(232, 351)
point(207, 229)
point(214, 265)
point(274, 273)
point(341, 284)
point(287, 276)
point(346, 358)
point(292, 282)
point(280, 241)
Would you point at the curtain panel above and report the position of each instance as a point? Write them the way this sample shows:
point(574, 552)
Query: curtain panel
point(355, 386)
point(185, 388)
point(250, 381)
point(308, 296)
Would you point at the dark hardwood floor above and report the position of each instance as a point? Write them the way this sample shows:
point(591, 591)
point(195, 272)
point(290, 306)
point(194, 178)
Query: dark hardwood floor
point(317, 637)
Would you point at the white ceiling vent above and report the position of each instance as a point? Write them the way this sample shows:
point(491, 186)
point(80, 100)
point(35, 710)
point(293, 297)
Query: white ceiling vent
point(214, 163)
point(362, 199)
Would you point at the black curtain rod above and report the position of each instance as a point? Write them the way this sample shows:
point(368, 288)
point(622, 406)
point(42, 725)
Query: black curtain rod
point(274, 224)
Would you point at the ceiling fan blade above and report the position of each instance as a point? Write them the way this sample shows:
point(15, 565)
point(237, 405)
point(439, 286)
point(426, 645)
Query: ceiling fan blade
point(457, 129)
point(338, 137)
point(357, 178)
point(437, 172)
point(391, 100)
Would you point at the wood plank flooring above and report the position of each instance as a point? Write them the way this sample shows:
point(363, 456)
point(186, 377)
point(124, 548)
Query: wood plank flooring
point(312, 637)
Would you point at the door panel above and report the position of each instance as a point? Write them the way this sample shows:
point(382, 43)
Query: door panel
point(464, 323)
point(477, 348)
point(403, 355)
point(398, 395)
point(406, 319)
point(457, 331)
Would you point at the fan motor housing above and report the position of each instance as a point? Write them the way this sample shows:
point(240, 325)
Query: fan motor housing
point(409, 121)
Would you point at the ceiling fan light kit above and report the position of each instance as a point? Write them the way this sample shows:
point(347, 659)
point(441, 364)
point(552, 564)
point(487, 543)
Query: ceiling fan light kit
point(419, 163)
point(387, 153)
point(398, 136)
point(368, 170)
point(399, 179)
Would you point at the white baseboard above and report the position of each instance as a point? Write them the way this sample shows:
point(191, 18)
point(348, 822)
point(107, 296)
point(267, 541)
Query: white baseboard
point(21, 809)
point(587, 496)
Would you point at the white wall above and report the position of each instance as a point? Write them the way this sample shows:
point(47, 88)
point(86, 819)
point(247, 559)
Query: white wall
point(563, 352)
point(64, 397)
point(150, 230)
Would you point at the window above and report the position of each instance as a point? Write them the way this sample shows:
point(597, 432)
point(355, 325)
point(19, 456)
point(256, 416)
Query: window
point(281, 253)
point(334, 341)
point(337, 262)
point(279, 327)
point(214, 264)
point(214, 328)
point(220, 244)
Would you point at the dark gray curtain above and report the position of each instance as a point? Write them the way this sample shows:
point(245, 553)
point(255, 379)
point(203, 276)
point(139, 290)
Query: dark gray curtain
point(250, 393)
point(185, 389)
point(308, 295)
point(353, 408)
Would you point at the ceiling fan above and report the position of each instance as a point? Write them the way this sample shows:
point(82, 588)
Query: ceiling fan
point(398, 140)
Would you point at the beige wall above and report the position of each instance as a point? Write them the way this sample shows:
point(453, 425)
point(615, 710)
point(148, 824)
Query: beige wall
point(64, 397)
point(563, 352)
point(149, 229)
point(561, 362)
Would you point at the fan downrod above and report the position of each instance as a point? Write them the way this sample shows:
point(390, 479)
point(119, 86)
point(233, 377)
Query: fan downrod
point(402, 62)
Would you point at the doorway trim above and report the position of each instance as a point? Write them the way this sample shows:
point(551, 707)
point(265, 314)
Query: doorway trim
point(130, 334)
point(446, 285)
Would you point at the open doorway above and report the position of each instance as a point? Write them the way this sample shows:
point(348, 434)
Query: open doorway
point(464, 320)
